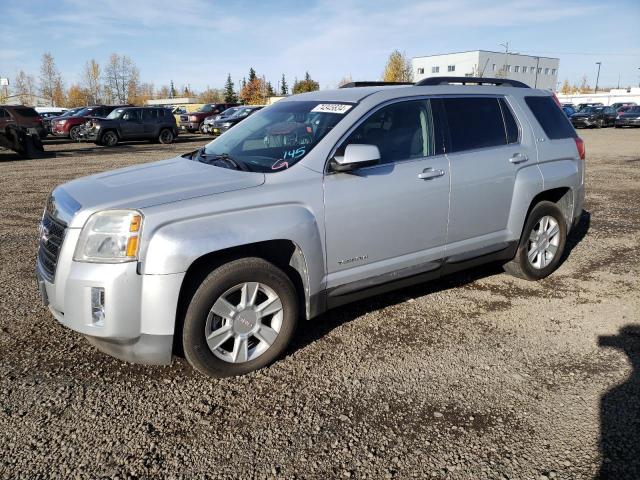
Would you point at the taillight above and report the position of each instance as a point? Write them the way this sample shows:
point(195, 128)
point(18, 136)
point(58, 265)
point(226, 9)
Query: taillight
point(581, 149)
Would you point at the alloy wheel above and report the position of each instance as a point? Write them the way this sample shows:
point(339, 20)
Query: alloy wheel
point(244, 322)
point(544, 240)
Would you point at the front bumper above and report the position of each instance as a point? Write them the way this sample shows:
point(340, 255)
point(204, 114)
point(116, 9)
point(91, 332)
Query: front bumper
point(139, 310)
point(583, 123)
point(189, 125)
point(627, 122)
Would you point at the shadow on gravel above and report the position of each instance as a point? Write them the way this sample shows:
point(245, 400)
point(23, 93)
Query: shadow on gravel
point(318, 328)
point(620, 413)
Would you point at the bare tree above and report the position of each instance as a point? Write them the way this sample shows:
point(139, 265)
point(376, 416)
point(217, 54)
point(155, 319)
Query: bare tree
point(91, 81)
point(50, 79)
point(24, 87)
point(121, 78)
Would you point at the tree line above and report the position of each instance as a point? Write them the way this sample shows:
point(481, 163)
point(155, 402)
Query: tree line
point(118, 82)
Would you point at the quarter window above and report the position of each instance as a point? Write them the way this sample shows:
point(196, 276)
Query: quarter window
point(510, 124)
point(550, 117)
point(401, 131)
point(474, 122)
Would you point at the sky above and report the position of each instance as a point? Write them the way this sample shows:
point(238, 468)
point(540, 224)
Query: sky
point(198, 42)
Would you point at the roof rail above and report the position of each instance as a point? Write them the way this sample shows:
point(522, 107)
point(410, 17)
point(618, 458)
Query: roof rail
point(372, 84)
point(474, 80)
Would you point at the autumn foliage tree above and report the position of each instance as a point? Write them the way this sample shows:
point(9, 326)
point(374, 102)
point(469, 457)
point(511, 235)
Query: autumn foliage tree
point(50, 80)
point(76, 96)
point(92, 82)
point(254, 92)
point(398, 68)
point(566, 87)
point(306, 85)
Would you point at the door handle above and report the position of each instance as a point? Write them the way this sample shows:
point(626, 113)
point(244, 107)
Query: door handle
point(430, 173)
point(518, 158)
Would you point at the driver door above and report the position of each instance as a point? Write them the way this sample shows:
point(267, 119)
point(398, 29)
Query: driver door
point(388, 221)
point(131, 125)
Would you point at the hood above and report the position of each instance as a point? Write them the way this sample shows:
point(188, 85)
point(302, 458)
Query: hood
point(155, 183)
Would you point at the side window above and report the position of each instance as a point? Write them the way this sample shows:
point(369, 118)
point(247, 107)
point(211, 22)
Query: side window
point(474, 122)
point(509, 122)
point(552, 120)
point(401, 131)
point(149, 114)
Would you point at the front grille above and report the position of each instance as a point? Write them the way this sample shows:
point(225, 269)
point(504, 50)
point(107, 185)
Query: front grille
point(51, 237)
point(184, 118)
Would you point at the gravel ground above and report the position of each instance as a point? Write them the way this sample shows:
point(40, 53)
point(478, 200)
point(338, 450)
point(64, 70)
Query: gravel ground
point(480, 375)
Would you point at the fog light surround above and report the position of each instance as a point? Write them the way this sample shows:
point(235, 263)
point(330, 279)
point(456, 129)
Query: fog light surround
point(97, 306)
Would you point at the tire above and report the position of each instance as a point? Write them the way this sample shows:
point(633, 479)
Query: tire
point(109, 138)
point(599, 123)
point(529, 263)
point(166, 136)
point(201, 128)
point(266, 337)
point(74, 133)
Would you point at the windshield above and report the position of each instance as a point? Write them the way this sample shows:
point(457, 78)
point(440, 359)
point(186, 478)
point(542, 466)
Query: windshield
point(206, 108)
point(117, 113)
point(591, 110)
point(242, 112)
point(82, 113)
point(277, 137)
point(229, 111)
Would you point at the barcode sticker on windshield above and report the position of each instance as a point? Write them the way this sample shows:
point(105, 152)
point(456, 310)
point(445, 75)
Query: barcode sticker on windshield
point(340, 108)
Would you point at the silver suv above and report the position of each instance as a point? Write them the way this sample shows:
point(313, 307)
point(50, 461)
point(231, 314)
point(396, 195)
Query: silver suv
point(316, 201)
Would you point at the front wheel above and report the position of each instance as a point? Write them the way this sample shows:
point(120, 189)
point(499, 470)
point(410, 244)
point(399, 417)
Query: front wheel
point(240, 319)
point(74, 133)
point(541, 245)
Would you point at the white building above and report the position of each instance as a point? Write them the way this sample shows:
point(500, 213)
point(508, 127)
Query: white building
point(615, 95)
point(537, 72)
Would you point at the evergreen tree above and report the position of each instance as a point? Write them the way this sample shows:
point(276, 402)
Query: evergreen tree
point(270, 91)
point(229, 94)
point(284, 88)
point(306, 85)
point(172, 90)
point(252, 75)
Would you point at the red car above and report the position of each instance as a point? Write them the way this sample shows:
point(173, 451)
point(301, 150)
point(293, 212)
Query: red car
point(69, 127)
point(193, 121)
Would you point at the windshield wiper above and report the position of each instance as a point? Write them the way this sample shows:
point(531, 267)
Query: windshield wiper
point(224, 157)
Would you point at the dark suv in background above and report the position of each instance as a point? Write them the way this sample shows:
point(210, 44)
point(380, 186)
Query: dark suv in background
point(23, 117)
point(594, 116)
point(70, 127)
point(193, 122)
point(132, 123)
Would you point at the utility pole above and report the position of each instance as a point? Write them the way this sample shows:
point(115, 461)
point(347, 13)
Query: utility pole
point(598, 76)
point(537, 65)
point(618, 80)
point(506, 56)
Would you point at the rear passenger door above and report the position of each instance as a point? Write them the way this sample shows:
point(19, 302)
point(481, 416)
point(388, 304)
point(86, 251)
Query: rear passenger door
point(131, 125)
point(150, 122)
point(486, 149)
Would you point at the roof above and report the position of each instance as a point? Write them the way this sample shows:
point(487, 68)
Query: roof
point(343, 94)
point(486, 51)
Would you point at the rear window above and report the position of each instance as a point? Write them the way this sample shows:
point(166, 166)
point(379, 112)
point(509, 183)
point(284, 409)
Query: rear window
point(26, 112)
point(552, 120)
point(474, 122)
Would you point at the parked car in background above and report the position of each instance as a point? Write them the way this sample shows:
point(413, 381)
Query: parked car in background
point(21, 116)
point(48, 122)
point(132, 123)
point(594, 117)
point(223, 124)
point(192, 121)
point(617, 105)
point(209, 121)
point(70, 127)
point(585, 105)
point(623, 109)
point(568, 110)
point(629, 118)
point(316, 201)
point(570, 105)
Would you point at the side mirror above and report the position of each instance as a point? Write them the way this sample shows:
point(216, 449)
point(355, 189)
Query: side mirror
point(356, 155)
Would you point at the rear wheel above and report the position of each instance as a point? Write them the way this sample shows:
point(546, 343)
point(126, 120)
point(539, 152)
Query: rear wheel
point(541, 245)
point(109, 139)
point(166, 136)
point(240, 319)
point(599, 123)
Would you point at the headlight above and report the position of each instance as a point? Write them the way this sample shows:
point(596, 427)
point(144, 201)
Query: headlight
point(62, 122)
point(111, 236)
point(226, 124)
point(193, 119)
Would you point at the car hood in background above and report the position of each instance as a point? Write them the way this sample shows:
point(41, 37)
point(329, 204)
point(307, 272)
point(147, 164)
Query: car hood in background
point(155, 183)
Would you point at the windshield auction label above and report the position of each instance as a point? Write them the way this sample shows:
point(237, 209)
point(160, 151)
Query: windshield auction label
point(340, 108)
